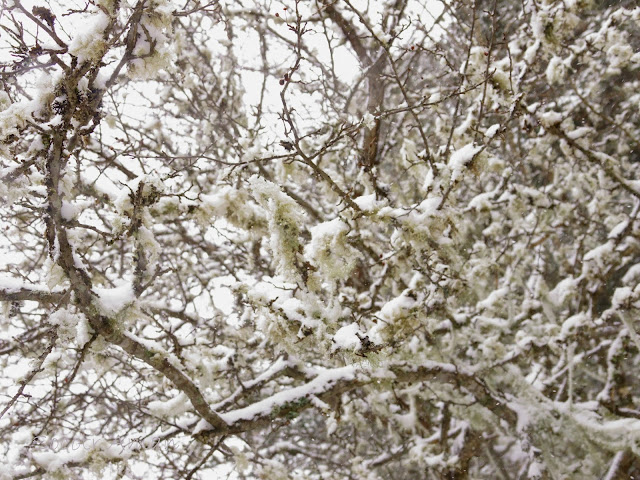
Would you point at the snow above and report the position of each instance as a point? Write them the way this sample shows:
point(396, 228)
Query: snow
point(19, 370)
point(15, 117)
point(52, 461)
point(397, 307)
point(279, 365)
point(618, 229)
point(174, 406)
point(618, 56)
point(217, 203)
point(11, 284)
point(599, 253)
point(5, 100)
point(492, 130)
point(367, 203)
point(531, 52)
point(78, 451)
point(429, 206)
point(555, 70)
point(579, 133)
point(562, 290)
point(632, 274)
point(201, 426)
point(68, 211)
point(23, 436)
point(482, 201)
point(574, 322)
point(535, 470)
point(322, 383)
point(329, 249)
point(407, 421)
point(548, 119)
point(294, 310)
point(112, 300)
point(332, 424)
point(154, 347)
point(88, 43)
point(346, 338)
point(369, 121)
point(82, 331)
point(586, 415)
point(621, 297)
point(408, 151)
point(325, 236)
point(428, 180)
point(464, 126)
point(460, 158)
point(331, 228)
point(493, 298)
point(524, 414)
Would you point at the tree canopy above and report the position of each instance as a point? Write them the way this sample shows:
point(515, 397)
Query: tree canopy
point(320, 239)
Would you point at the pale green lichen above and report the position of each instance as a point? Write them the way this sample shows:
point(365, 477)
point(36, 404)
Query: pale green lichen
point(284, 217)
